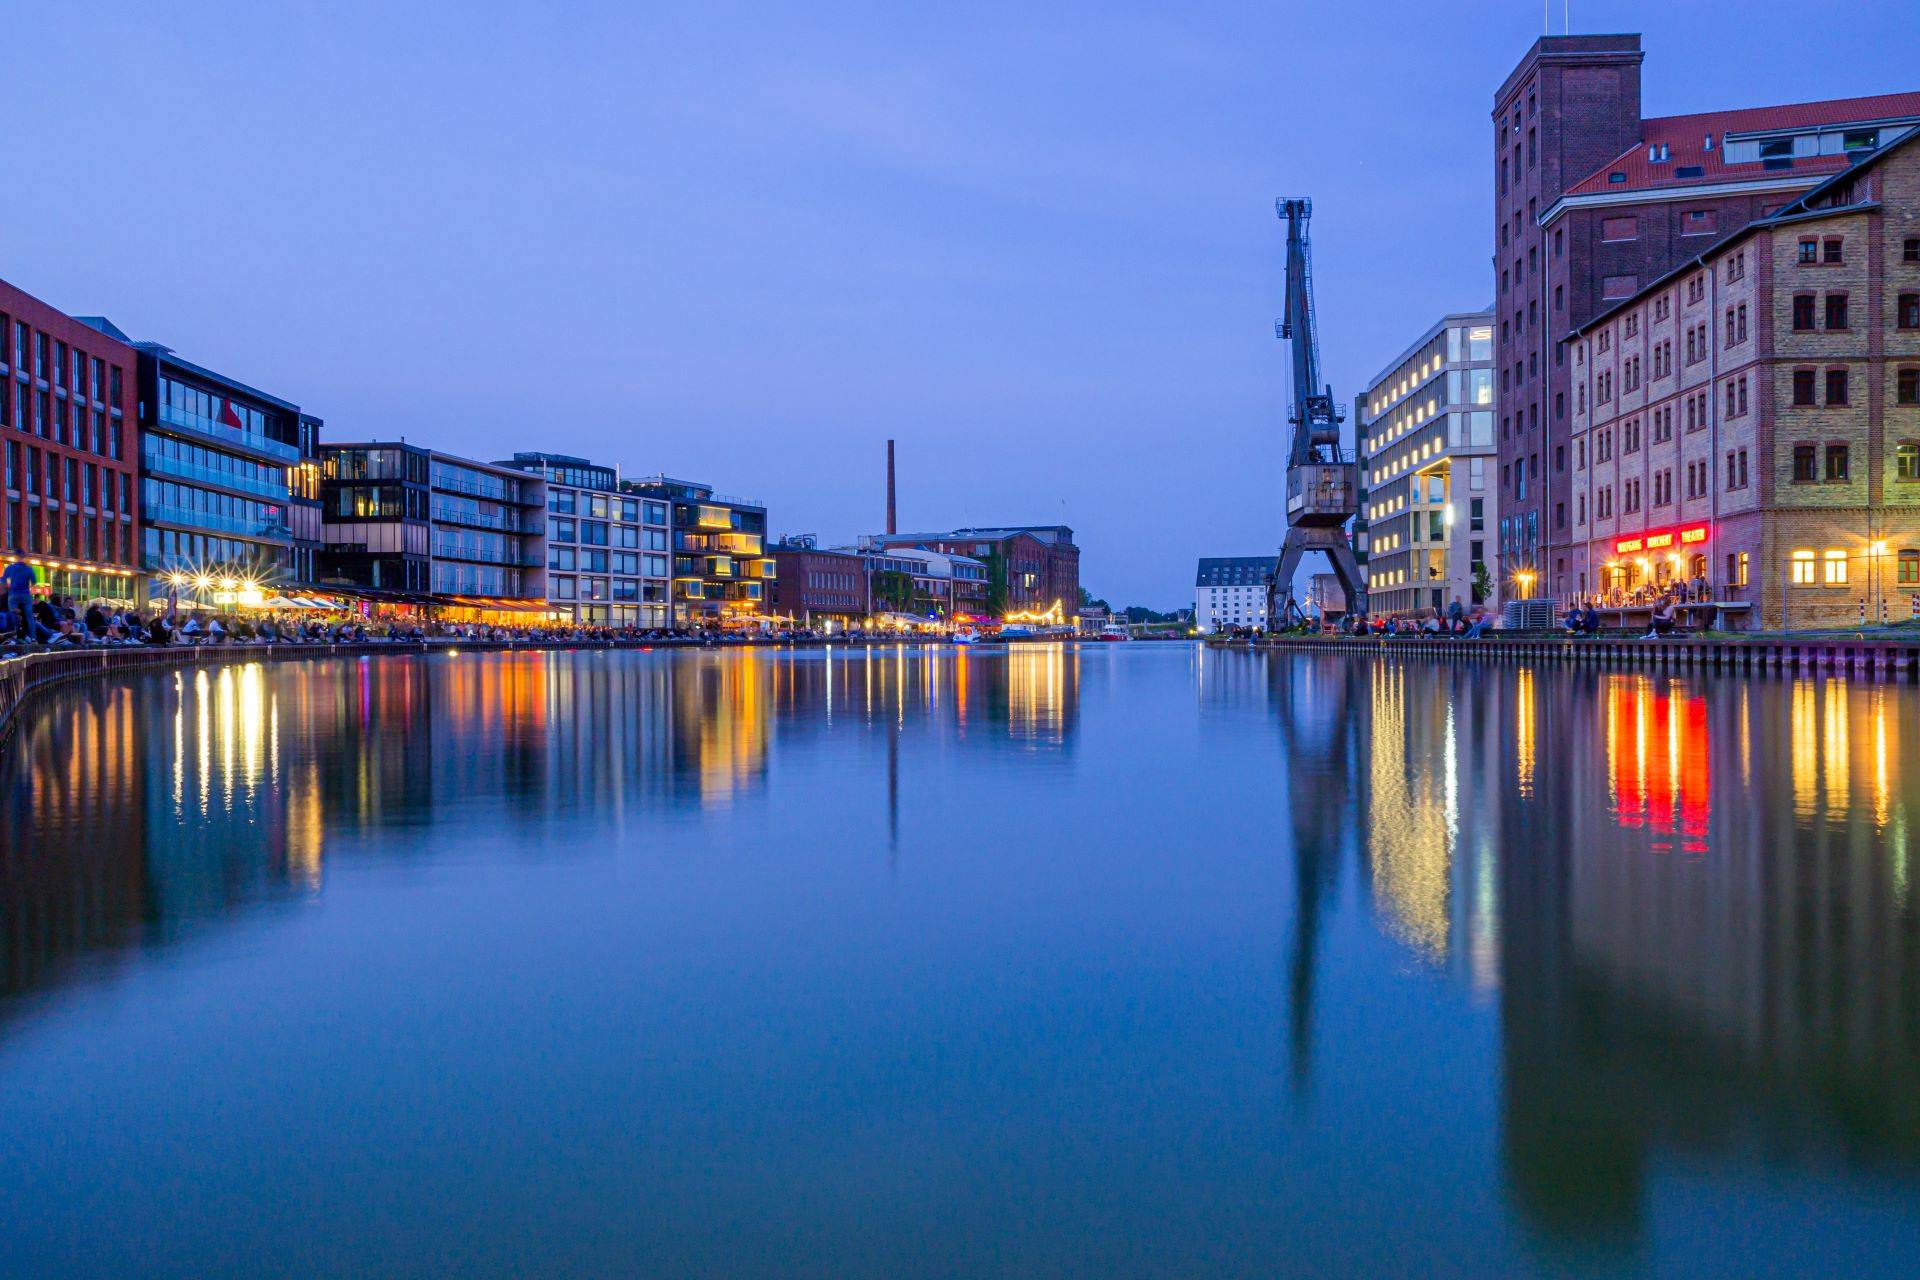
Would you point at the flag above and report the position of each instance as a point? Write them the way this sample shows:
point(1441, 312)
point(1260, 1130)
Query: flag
point(230, 417)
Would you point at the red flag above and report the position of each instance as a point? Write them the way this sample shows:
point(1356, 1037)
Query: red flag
point(230, 417)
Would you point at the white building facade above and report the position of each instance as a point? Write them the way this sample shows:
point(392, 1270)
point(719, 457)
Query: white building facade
point(1428, 454)
point(1231, 591)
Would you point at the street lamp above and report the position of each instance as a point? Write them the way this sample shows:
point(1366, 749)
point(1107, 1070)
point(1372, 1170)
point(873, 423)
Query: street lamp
point(1875, 550)
point(1524, 578)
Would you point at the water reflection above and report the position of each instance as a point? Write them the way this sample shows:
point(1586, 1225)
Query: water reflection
point(1661, 920)
point(1698, 927)
point(230, 785)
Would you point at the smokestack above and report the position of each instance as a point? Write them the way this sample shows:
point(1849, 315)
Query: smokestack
point(892, 527)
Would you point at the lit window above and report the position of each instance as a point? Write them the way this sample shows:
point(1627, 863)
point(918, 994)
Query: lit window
point(1803, 568)
point(1836, 566)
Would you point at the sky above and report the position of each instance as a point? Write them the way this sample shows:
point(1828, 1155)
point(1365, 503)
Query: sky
point(746, 244)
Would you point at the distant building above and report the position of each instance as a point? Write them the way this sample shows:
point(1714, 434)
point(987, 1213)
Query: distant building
point(721, 569)
point(821, 587)
point(1028, 567)
point(1231, 591)
point(607, 551)
point(67, 393)
point(1425, 428)
point(1325, 595)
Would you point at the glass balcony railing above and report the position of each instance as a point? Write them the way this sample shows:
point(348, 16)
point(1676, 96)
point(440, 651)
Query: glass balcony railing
point(161, 465)
point(268, 530)
point(174, 416)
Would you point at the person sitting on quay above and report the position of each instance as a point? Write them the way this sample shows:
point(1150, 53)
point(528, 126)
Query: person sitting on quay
point(1663, 619)
point(1479, 625)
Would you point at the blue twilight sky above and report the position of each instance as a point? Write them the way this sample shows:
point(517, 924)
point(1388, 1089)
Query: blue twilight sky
point(746, 243)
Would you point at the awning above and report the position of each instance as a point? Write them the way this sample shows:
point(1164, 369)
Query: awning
point(496, 604)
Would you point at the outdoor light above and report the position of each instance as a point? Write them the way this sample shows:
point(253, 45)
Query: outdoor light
point(202, 583)
point(1878, 548)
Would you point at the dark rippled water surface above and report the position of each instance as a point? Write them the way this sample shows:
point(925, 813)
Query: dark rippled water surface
point(1115, 961)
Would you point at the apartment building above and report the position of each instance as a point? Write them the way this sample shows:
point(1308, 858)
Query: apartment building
point(607, 551)
point(1425, 427)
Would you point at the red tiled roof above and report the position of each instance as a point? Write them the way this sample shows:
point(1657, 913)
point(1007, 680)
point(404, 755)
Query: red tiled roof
point(1686, 137)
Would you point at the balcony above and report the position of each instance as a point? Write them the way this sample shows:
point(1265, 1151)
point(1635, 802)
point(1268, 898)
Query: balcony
point(161, 465)
point(261, 530)
point(180, 419)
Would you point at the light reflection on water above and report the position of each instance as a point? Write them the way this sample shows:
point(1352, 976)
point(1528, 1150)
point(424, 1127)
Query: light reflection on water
point(1116, 960)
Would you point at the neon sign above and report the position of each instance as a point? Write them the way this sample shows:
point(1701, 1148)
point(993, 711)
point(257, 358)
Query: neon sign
point(1685, 535)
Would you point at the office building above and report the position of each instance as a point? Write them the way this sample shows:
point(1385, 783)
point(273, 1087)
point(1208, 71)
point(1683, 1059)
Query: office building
point(1751, 419)
point(217, 462)
point(1594, 202)
point(607, 551)
point(67, 414)
point(1426, 429)
point(467, 538)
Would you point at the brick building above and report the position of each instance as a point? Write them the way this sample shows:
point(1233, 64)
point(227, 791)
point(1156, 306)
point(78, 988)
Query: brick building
point(820, 587)
point(67, 413)
point(1029, 567)
point(1592, 202)
point(1752, 417)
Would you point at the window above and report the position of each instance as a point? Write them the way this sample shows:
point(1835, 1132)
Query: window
point(1805, 462)
point(1907, 570)
point(1803, 568)
point(1907, 314)
point(1736, 568)
point(1836, 386)
point(1906, 462)
point(1912, 249)
point(1830, 251)
point(1906, 386)
point(1809, 251)
point(1803, 386)
point(1836, 311)
point(1836, 462)
point(1834, 564)
point(1698, 222)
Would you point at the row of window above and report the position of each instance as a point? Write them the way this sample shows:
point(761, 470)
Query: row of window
point(596, 589)
point(590, 560)
point(71, 535)
point(602, 506)
point(54, 418)
point(49, 360)
point(67, 479)
point(598, 533)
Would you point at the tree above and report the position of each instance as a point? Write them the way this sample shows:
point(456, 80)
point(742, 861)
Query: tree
point(996, 583)
point(893, 589)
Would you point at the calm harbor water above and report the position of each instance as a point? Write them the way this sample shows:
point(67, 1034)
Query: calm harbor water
point(1114, 961)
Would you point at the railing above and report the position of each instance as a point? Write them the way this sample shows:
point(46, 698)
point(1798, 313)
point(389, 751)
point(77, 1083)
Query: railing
point(215, 430)
point(165, 513)
point(161, 465)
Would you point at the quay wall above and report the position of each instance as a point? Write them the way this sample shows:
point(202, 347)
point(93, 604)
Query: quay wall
point(1861, 658)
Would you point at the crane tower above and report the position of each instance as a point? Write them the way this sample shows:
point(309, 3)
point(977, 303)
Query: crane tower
point(1322, 483)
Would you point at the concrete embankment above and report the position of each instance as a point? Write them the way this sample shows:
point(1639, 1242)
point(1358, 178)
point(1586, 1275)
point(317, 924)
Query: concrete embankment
point(1860, 658)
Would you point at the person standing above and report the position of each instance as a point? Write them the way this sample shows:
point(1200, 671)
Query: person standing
point(19, 579)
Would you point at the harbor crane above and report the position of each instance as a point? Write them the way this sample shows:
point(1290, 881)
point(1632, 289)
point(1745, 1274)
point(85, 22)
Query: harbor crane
point(1322, 483)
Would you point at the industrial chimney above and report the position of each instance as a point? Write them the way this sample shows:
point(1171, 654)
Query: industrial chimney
point(892, 527)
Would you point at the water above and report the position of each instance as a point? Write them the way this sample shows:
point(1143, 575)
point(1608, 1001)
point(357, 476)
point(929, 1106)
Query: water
point(1127, 960)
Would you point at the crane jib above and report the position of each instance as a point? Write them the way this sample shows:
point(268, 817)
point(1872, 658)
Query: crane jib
point(1322, 483)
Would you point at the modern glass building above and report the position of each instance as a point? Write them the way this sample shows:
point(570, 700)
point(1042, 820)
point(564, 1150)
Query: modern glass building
point(466, 537)
point(376, 529)
point(216, 460)
point(1427, 440)
point(607, 550)
point(722, 571)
